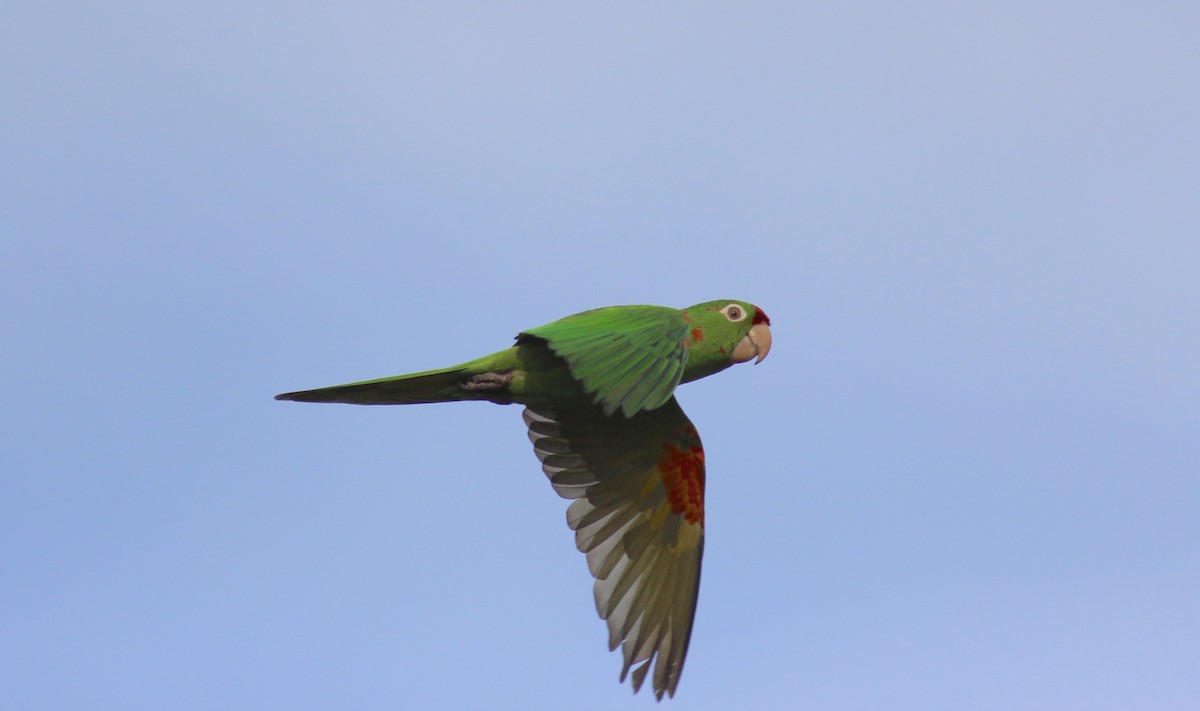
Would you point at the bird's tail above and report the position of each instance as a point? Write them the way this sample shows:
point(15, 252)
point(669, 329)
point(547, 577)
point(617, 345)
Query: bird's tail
point(430, 386)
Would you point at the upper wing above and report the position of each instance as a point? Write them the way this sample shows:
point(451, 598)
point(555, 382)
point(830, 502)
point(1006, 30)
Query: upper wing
point(628, 357)
point(638, 485)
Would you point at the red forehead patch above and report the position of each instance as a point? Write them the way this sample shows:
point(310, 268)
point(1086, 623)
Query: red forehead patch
point(760, 316)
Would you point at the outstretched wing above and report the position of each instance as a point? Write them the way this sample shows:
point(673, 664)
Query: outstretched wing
point(628, 357)
point(638, 514)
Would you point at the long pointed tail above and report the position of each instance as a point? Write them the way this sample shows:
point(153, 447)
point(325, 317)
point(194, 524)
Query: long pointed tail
point(430, 386)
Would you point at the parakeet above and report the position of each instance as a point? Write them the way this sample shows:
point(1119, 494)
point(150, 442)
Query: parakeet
point(599, 395)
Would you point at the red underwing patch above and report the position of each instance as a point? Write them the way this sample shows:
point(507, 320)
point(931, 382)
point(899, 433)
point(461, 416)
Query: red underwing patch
point(682, 470)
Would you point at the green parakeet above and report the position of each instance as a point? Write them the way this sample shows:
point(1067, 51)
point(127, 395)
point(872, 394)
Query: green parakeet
point(599, 395)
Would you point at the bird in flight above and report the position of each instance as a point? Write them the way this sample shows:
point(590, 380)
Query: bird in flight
point(599, 394)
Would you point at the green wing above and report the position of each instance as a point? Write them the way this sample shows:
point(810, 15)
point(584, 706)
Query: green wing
point(638, 514)
point(628, 357)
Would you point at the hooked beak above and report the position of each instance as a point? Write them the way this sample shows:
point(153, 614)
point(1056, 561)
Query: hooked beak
point(755, 344)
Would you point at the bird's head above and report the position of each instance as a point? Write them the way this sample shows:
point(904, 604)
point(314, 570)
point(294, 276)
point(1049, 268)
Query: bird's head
point(724, 332)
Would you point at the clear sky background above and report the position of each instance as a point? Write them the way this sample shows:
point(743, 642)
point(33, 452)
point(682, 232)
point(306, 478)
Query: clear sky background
point(968, 476)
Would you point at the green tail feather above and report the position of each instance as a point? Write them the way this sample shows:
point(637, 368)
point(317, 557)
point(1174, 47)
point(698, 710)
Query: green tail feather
point(430, 386)
point(528, 373)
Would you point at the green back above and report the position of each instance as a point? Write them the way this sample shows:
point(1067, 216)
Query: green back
point(629, 357)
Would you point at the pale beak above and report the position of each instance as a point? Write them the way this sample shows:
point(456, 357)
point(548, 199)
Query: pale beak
point(755, 344)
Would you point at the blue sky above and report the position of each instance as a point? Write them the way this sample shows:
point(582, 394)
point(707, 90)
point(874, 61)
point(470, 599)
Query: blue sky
point(965, 478)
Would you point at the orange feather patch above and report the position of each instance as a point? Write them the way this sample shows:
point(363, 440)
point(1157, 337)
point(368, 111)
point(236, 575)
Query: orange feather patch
point(682, 470)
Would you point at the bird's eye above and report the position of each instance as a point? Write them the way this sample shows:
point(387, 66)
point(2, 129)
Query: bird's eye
point(733, 312)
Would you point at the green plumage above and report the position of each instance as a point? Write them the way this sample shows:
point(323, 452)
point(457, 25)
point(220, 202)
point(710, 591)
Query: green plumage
point(629, 357)
point(599, 389)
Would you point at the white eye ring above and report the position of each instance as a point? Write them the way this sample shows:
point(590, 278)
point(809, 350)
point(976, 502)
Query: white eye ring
point(733, 312)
